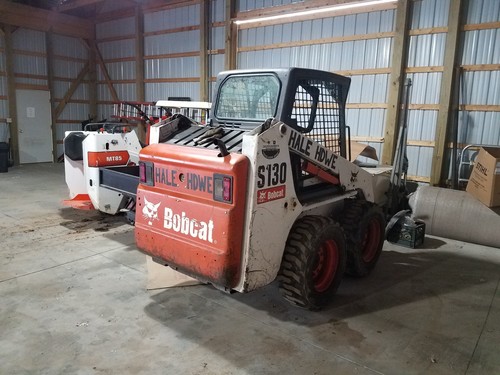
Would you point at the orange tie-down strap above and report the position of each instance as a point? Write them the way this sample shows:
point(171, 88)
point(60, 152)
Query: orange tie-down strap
point(320, 173)
point(80, 202)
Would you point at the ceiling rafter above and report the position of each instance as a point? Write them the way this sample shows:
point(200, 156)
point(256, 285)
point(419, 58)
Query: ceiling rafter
point(41, 19)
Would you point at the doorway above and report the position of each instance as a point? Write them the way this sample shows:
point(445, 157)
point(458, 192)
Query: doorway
point(34, 122)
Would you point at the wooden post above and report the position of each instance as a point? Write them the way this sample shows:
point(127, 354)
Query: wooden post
point(92, 82)
point(399, 58)
point(447, 85)
point(49, 45)
point(231, 37)
point(205, 27)
point(11, 92)
point(139, 66)
point(139, 54)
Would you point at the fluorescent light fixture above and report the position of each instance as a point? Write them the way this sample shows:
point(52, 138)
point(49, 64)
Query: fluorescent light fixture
point(310, 12)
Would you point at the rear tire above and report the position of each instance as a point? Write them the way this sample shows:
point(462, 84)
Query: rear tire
point(364, 227)
point(313, 262)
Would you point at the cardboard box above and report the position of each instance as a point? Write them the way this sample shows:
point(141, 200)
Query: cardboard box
point(160, 276)
point(484, 181)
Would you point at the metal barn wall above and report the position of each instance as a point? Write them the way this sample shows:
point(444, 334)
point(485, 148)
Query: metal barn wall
point(69, 58)
point(424, 67)
point(216, 41)
point(30, 64)
point(172, 53)
point(244, 5)
point(115, 42)
point(360, 46)
point(479, 120)
point(357, 45)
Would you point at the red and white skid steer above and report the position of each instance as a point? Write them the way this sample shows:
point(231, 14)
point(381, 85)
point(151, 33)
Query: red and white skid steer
point(265, 191)
point(105, 145)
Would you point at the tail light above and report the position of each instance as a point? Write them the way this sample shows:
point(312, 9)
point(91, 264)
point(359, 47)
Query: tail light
point(146, 175)
point(223, 188)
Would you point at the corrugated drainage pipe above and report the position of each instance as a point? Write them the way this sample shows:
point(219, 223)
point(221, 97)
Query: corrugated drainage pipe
point(456, 215)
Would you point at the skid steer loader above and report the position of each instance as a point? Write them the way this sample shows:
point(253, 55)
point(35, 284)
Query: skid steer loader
point(266, 191)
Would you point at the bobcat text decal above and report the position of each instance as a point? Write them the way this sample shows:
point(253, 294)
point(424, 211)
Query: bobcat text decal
point(181, 223)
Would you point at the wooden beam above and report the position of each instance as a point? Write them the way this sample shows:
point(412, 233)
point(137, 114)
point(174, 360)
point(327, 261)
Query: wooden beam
point(92, 82)
point(399, 58)
point(139, 54)
point(312, 42)
point(40, 19)
point(72, 88)
point(447, 88)
point(105, 73)
point(231, 36)
point(204, 46)
point(11, 93)
point(49, 45)
point(75, 4)
point(139, 67)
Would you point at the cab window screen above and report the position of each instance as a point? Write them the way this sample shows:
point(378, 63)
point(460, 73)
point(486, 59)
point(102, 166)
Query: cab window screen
point(248, 98)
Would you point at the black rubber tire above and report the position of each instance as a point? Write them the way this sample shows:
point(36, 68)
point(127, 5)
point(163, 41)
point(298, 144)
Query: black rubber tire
point(364, 228)
point(303, 280)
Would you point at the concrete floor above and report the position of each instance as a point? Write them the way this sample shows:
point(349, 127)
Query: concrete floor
point(73, 301)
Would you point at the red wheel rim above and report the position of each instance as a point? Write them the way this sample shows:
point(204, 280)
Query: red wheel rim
point(371, 240)
point(326, 268)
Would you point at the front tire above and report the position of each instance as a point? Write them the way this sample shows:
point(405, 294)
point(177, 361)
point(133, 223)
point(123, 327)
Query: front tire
point(313, 263)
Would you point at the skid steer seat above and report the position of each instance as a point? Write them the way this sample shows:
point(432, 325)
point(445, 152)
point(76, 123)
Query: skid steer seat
point(73, 146)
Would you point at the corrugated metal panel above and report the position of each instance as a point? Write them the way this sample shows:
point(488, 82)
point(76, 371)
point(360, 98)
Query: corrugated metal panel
point(430, 13)
point(67, 69)
point(216, 64)
point(480, 87)
point(481, 11)
point(157, 91)
point(172, 18)
point(119, 70)
point(105, 111)
point(70, 47)
point(218, 10)
point(29, 40)
point(170, 43)
point(419, 160)
point(60, 89)
point(243, 5)
point(75, 111)
point(117, 49)
point(182, 67)
point(30, 64)
point(217, 38)
point(126, 91)
point(479, 127)
point(103, 93)
point(422, 125)
point(481, 47)
point(425, 88)
point(426, 50)
point(119, 27)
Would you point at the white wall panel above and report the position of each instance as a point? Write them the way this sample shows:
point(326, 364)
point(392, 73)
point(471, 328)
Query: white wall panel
point(117, 49)
point(70, 47)
point(158, 91)
point(181, 67)
point(187, 41)
point(114, 28)
point(172, 18)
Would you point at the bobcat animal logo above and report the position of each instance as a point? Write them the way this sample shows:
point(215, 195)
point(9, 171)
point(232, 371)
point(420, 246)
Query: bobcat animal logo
point(150, 211)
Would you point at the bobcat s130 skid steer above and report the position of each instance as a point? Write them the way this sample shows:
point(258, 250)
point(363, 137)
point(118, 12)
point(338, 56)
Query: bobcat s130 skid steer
point(266, 191)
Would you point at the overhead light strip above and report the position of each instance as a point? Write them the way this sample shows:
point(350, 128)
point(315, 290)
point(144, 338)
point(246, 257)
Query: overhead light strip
point(310, 12)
